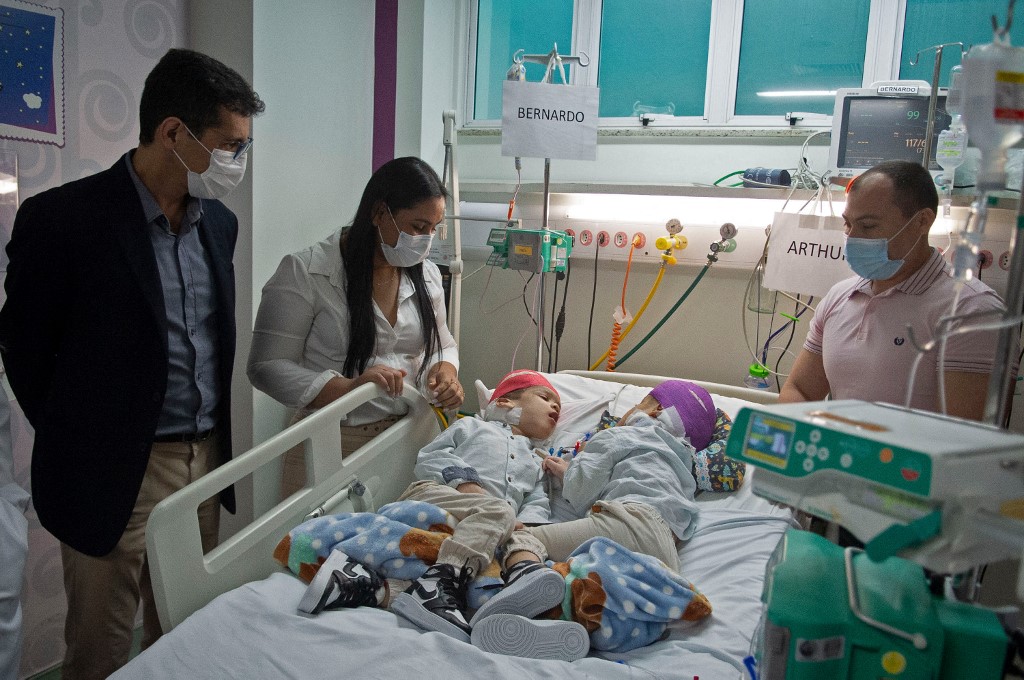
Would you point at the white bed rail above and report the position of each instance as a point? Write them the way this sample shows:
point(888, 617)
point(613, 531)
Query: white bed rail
point(184, 579)
point(756, 396)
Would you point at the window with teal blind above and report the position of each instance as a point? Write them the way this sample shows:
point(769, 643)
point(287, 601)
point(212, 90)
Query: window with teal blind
point(792, 53)
point(504, 26)
point(933, 22)
point(654, 53)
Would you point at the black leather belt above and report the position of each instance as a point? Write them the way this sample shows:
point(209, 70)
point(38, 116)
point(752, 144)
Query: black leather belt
point(188, 438)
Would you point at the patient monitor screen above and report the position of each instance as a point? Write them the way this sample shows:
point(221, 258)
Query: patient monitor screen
point(769, 439)
point(876, 129)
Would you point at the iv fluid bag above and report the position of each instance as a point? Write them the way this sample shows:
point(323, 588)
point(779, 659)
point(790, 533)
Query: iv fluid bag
point(993, 107)
point(949, 153)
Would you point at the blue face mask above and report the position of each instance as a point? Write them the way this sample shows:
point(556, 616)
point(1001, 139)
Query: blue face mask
point(869, 257)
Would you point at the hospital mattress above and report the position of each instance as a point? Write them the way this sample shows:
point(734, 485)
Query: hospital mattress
point(248, 625)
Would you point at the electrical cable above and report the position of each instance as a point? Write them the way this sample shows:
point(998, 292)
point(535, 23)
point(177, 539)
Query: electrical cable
point(551, 335)
point(797, 311)
point(593, 300)
point(536, 297)
point(665, 318)
point(560, 323)
point(529, 312)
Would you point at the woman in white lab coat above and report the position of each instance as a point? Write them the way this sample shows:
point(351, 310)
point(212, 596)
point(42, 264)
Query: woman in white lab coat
point(363, 305)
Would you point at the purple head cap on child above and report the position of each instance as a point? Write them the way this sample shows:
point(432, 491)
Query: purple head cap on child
point(689, 407)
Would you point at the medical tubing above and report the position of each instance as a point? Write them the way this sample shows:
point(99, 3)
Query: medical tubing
point(942, 350)
point(782, 328)
point(665, 318)
point(551, 335)
point(640, 312)
point(731, 174)
point(613, 348)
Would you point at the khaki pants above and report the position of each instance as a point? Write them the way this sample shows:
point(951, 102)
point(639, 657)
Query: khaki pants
point(485, 523)
point(635, 526)
point(104, 592)
point(293, 463)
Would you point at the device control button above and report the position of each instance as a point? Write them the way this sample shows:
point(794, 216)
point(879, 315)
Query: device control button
point(812, 450)
point(809, 464)
point(815, 436)
point(909, 474)
point(894, 663)
point(823, 453)
point(846, 460)
point(800, 446)
point(885, 455)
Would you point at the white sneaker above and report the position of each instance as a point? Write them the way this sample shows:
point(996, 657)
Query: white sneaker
point(531, 588)
point(514, 635)
point(343, 582)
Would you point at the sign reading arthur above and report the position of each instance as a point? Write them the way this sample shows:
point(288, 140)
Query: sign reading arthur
point(542, 120)
point(31, 72)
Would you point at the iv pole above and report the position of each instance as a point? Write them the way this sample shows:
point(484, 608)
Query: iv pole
point(929, 133)
point(518, 72)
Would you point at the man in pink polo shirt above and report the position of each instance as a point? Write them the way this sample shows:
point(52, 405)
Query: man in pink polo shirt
point(858, 346)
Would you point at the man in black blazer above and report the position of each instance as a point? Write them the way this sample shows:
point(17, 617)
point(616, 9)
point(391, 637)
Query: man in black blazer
point(118, 337)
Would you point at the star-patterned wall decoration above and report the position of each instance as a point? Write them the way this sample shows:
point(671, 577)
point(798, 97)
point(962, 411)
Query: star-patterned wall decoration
point(31, 72)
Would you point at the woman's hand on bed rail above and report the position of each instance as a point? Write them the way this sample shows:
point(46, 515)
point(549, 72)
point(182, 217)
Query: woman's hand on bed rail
point(391, 379)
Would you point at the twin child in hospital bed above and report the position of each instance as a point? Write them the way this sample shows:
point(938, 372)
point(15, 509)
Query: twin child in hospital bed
point(612, 582)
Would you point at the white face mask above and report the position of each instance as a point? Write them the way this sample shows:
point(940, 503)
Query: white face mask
point(224, 174)
point(409, 250)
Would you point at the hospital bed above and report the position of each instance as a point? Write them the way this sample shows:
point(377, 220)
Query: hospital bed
point(232, 612)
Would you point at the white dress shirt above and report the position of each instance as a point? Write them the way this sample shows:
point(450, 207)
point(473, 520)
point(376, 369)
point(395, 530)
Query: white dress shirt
point(300, 339)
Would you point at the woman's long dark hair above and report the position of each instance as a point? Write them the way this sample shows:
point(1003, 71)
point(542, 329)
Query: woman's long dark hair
point(399, 184)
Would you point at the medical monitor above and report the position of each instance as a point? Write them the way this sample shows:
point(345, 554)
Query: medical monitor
point(870, 125)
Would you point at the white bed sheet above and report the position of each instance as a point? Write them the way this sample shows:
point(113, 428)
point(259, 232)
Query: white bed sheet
point(254, 631)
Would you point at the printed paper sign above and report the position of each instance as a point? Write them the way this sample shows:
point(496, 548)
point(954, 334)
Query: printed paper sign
point(542, 120)
point(805, 254)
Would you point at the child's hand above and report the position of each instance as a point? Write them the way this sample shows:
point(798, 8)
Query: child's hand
point(555, 466)
point(471, 487)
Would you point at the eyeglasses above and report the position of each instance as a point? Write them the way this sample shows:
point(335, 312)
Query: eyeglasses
point(242, 149)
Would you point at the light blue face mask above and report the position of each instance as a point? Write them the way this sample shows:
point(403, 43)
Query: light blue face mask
point(869, 257)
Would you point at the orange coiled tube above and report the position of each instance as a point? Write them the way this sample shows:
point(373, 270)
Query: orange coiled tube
point(613, 349)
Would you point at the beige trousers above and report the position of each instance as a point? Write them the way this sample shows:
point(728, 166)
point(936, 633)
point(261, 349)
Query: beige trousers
point(293, 470)
point(104, 592)
point(485, 523)
point(636, 526)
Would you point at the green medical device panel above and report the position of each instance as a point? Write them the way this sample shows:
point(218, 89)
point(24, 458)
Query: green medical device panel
point(796, 448)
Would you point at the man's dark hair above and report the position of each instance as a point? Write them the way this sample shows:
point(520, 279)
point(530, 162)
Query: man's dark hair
point(193, 87)
point(913, 186)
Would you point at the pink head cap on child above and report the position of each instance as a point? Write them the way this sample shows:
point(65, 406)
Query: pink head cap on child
point(518, 380)
point(689, 407)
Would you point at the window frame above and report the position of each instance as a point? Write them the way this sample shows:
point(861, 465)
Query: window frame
point(882, 56)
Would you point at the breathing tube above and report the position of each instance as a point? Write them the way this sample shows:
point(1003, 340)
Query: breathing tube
point(621, 314)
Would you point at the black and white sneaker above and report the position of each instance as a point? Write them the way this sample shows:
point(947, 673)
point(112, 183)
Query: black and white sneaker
point(436, 601)
point(531, 588)
point(514, 635)
point(343, 582)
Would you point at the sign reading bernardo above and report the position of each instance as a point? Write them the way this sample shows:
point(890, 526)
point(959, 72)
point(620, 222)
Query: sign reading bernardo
point(542, 120)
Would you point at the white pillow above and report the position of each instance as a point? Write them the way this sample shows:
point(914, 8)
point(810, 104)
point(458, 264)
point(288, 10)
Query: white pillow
point(584, 400)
